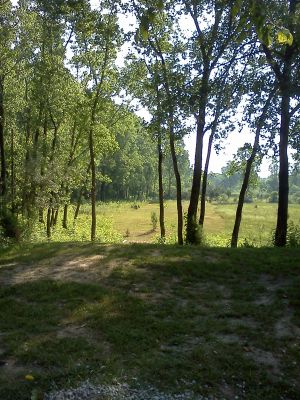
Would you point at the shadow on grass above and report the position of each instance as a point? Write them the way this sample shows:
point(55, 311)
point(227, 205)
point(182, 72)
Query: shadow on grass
point(157, 319)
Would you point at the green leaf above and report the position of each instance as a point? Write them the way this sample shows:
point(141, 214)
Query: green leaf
point(160, 5)
point(284, 36)
point(236, 8)
point(144, 32)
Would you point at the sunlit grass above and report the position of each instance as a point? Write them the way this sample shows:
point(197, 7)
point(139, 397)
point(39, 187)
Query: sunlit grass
point(119, 222)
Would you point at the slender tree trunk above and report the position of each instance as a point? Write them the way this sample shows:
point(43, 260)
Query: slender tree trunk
point(49, 222)
point(204, 180)
point(2, 150)
point(160, 189)
point(283, 192)
point(239, 210)
point(78, 204)
point(52, 219)
point(65, 217)
point(55, 216)
point(41, 215)
point(12, 173)
point(178, 190)
point(79, 199)
point(93, 185)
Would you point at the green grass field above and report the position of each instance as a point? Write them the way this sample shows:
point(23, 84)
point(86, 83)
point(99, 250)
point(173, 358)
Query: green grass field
point(120, 222)
point(217, 322)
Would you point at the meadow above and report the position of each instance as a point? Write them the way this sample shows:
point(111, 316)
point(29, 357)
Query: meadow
point(129, 222)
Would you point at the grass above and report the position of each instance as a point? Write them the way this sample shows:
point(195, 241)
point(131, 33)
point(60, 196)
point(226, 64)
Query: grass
point(119, 222)
point(215, 321)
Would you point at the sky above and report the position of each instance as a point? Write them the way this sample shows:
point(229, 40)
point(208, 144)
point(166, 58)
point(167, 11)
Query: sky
point(230, 145)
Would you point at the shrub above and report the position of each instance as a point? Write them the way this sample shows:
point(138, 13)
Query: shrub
point(293, 235)
point(10, 226)
point(154, 220)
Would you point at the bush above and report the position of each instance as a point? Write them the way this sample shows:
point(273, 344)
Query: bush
point(154, 220)
point(293, 235)
point(10, 227)
point(273, 197)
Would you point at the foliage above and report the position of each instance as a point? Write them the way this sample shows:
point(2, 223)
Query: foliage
point(154, 220)
point(293, 235)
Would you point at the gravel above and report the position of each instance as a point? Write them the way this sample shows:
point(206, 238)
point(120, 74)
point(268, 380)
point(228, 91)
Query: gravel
point(89, 391)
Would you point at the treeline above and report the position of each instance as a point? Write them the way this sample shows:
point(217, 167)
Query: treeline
point(67, 124)
point(225, 187)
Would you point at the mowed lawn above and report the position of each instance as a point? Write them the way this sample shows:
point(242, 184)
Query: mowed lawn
point(134, 225)
point(214, 322)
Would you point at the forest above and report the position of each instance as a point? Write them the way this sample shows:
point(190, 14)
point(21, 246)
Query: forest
point(129, 267)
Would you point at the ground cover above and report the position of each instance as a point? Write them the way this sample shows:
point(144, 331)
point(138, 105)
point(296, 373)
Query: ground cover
point(129, 222)
point(216, 322)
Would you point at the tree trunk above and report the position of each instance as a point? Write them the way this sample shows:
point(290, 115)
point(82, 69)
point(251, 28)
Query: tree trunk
point(52, 217)
point(160, 189)
point(192, 226)
point(2, 150)
point(239, 210)
point(55, 216)
point(178, 189)
point(49, 223)
point(93, 185)
point(12, 173)
point(65, 217)
point(283, 192)
point(78, 204)
point(204, 180)
point(41, 216)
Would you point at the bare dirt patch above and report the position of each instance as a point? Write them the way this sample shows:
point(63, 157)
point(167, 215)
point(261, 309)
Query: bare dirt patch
point(65, 268)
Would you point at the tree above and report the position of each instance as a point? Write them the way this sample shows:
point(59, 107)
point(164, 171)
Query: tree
point(282, 55)
point(209, 48)
point(248, 167)
point(98, 38)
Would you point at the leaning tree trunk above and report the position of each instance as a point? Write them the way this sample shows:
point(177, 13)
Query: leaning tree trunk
point(239, 210)
point(283, 192)
point(204, 180)
point(160, 189)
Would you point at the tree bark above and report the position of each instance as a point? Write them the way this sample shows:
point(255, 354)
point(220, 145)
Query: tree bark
point(178, 190)
point(192, 226)
point(65, 217)
point(49, 223)
point(93, 185)
point(12, 173)
point(255, 148)
point(283, 191)
point(2, 150)
point(41, 216)
point(78, 204)
point(55, 216)
point(160, 189)
point(204, 180)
